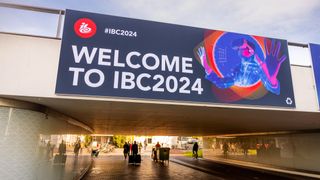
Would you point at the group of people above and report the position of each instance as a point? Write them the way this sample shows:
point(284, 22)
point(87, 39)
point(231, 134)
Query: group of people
point(131, 149)
point(57, 151)
point(50, 148)
point(63, 147)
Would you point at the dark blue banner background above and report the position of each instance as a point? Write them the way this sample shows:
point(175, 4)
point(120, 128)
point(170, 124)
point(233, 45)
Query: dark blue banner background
point(151, 37)
point(315, 56)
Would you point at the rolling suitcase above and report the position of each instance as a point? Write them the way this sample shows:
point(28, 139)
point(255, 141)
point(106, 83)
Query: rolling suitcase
point(131, 160)
point(59, 159)
point(137, 159)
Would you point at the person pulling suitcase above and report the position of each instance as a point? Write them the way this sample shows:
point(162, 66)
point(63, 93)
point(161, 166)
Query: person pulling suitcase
point(135, 158)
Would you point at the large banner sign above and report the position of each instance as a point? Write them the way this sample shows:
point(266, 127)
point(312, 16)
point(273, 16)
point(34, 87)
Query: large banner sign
point(111, 56)
point(315, 56)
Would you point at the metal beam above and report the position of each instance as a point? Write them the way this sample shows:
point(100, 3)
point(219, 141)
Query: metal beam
point(62, 12)
point(32, 8)
point(298, 44)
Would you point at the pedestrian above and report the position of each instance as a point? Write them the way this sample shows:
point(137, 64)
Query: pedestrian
point(61, 157)
point(140, 147)
point(62, 148)
point(245, 148)
point(145, 144)
point(158, 145)
point(126, 150)
point(77, 147)
point(225, 149)
point(49, 151)
point(155, 151)
point(95, 149)
point(195, 150)
point(135, 148)
point(130, 148)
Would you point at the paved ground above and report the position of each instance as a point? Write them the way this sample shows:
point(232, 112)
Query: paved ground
point(114, 166)
point(73, 168)
point(227, 171)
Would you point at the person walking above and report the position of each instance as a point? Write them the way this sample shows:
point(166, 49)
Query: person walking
point(126, 150)
point(49, 151)
point(77, 147)
point(136, 158)
point(61, 157)
point(195, 150)
point(62, 148)
point(145, 144)
point(158, 145)
point(130, 148)
point(134, 148)
point(155, 151)
point(225, 149)
point(94, 149)
point(140, 147)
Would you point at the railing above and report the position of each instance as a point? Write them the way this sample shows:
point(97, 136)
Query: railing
point(60, 13)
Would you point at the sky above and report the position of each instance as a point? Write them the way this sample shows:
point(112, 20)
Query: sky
point(293, 20)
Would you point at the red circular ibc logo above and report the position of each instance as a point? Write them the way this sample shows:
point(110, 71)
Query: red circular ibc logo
point(85, 28)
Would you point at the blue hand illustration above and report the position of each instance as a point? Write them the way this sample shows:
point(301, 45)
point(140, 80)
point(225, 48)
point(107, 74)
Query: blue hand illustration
point(203, 58)
point(272, 62)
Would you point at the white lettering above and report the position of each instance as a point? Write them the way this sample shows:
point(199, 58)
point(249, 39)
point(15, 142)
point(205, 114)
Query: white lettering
point(103, 56)
point(128, 60)
point(127, 80)
point(186, 63)
point(172, 80)
point(84, 50)
point(166, 62)
point(134, 60)
point(156, 87)
point(76, 72)
point(116, 80)
point(116, 59)
point(150, 56)
point(87, 78)
point(140, 86)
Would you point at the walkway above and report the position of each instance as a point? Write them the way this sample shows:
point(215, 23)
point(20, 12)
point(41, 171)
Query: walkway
point(227, 171)
point(113, 166)
point(72, 169)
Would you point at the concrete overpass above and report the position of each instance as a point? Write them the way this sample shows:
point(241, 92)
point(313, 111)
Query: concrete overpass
point(29, 67)
point(31, 112)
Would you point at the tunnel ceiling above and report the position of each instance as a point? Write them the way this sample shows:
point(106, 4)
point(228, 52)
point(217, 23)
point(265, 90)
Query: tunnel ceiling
point(132, 118)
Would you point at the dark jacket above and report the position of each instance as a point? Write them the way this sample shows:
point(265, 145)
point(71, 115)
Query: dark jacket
point(134, 148)
point(195, 147)
point(126, 148)
point(62, 148)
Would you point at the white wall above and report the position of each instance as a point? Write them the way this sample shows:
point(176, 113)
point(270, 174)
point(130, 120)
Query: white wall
point(304, 88)
point(28, 65)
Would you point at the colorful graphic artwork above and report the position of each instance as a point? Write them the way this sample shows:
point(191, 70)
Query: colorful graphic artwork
point(241, 66)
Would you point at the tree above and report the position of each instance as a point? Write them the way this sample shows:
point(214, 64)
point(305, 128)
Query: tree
point(119, 140)
point(87, 140)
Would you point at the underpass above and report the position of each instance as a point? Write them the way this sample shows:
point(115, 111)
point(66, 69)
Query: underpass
point(36, 119)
